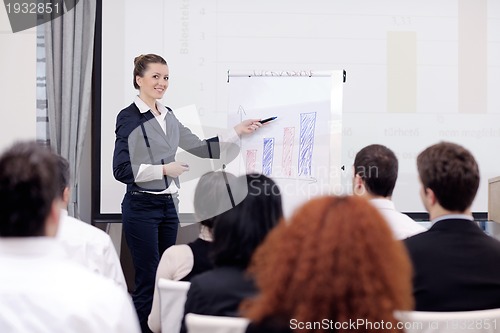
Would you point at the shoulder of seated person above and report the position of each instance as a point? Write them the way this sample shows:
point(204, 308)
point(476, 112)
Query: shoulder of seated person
point(86, 231)
point(218, 276)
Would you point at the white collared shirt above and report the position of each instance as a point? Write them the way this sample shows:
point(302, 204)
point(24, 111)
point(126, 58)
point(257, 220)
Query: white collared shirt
point(401, 225)
point(143, 108)
point(148, 172)
point(91, 247)
point(453, 216)
point(43, 292)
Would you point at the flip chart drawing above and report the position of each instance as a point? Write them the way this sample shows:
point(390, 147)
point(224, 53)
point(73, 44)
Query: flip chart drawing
point(296, 149)
point(286, 161)
point(267, 156)
point(307, 124)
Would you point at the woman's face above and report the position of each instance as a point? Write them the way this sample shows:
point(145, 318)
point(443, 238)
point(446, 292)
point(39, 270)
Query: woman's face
point(154, 83)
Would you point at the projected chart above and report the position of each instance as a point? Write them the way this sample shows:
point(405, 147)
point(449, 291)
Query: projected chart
point(418, 72)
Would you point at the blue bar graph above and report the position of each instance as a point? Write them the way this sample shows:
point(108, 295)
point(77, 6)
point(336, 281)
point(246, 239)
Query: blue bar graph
point(267, 156)
point(306, 143)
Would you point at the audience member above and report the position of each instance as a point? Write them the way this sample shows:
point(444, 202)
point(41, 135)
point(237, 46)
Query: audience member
point(183, 262)
point(84, 243)
point(375, 175)
point(335, 267)
point(237, 233)
point(455, 262)
point(40, 289)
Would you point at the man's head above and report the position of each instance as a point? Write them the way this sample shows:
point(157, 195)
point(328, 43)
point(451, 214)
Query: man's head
point(450, 177)
point(375, 171)
point(29, 191)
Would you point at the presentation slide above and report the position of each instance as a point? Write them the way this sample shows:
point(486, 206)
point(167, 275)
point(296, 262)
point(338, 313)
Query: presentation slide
point(418, 72)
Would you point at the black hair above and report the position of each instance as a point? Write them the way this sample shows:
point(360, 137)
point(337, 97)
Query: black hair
point(29, 184)
point(212, 196)
point(377, 166)
point(239, 231)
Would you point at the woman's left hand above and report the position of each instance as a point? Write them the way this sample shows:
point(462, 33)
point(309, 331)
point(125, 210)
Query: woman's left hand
point(247, 126)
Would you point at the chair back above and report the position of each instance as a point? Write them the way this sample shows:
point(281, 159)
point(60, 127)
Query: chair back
point(480, 321)
point(196, 323)
point(172, 299)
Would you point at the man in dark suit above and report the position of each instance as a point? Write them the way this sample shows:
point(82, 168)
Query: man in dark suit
point(456, 265)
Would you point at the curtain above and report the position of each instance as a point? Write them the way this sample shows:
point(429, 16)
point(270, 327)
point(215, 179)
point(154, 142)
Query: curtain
point(69, 45)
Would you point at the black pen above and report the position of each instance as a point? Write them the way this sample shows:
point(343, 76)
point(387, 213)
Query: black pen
point(266, 120)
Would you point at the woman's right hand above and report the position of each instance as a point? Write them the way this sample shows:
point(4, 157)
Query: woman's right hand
point(175, 169)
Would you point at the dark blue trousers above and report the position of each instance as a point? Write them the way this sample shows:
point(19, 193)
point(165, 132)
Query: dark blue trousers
point(150, 225)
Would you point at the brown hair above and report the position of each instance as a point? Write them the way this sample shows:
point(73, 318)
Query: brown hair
point(378, 168)
point(29, 184)
point(336, 259)
point(451, 172)
point(141, 64)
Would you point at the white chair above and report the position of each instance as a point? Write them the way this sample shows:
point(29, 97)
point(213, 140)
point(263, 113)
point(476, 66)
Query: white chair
point(481, 321)
point(196, 323)
point(172, 298)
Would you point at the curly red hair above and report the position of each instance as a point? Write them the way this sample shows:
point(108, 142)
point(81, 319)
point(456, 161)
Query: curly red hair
point(337, 260)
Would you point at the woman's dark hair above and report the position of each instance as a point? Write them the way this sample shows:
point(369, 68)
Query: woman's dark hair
point(141, 64)
point(239, 231)
point(212, 196)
